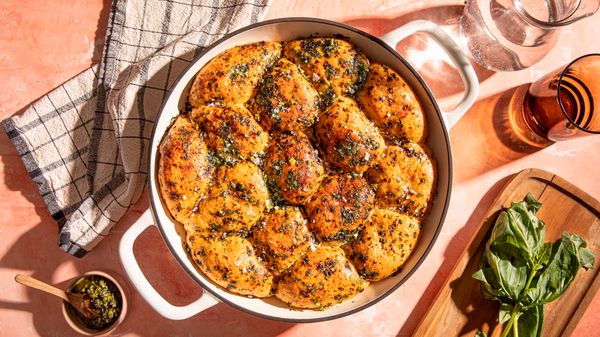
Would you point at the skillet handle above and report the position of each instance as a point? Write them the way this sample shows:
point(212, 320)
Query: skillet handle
point(140, 282)
point(459, 59)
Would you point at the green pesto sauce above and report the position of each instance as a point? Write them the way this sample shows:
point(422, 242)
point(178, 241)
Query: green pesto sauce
point(105, 300)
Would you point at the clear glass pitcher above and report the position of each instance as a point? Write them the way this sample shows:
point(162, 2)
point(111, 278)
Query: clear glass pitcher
point(507, 35)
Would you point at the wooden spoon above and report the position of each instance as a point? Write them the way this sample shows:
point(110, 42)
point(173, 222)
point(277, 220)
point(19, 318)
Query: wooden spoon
point(80, 302)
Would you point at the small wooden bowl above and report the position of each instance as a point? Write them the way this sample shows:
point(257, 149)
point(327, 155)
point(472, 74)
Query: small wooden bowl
point(75, 322)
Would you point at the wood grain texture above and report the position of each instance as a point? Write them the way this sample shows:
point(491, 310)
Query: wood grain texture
point(460, 309)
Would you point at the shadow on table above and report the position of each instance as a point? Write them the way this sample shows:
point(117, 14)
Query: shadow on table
point(492, 141)
point(36, 250)
point(422, 52)
point(100, 33)
point(480, 314)
point(451, 256)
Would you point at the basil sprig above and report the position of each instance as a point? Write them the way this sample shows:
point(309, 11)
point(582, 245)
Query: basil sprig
point(523, 272)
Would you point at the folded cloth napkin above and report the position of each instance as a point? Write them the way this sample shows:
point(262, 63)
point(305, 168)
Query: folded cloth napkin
point(86, 143)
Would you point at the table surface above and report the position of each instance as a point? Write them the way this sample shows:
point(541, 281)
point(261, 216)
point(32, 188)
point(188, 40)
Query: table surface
point(43, 43)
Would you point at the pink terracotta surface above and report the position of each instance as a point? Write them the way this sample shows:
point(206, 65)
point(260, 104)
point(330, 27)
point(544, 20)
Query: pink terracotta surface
point(45, 42)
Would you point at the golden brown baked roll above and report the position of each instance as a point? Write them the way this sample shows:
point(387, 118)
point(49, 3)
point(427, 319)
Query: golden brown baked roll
point(282, 237)
point(321, 278)
point(184, 171)
point(405, 177)
point(392, 105)
point(231, 262)
point(293, 168)
point(285, 99)
point(338, 209)
point(232, 76)
point(236, 199)
point(386, 241)
point(334, 66)
point(348, 139)
point(231, 131)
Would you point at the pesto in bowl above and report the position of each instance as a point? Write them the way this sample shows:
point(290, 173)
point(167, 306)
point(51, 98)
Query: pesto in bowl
point(105, 299)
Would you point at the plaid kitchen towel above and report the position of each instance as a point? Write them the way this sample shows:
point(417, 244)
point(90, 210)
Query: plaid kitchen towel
point(86, 143)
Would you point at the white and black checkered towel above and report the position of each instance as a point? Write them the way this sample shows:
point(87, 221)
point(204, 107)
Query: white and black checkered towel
point(86, 143)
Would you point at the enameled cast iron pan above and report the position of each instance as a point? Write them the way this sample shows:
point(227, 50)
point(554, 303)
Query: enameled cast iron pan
point(378, 49)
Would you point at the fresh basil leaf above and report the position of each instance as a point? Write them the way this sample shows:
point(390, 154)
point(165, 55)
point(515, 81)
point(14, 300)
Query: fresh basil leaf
point(532, 202)
point(504, 313)
point(587, 258)
point(533, 296)
point(530, 323)
point(503, 237)
point(529, 230)
point(480, 276)
point(577, 246)
point(545, 254)
point(511, 274)
point(568, 255)
point(519, 233)
point(489, 285)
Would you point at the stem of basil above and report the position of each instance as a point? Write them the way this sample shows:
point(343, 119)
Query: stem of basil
point(533, 272)
point(512, 322)
point(516, 312)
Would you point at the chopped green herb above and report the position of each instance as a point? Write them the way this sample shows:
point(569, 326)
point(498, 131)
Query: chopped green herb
point(292, 180)
point(347, 149)
point(349, 214)
point(105, 300)
point(330, 70)
point(327, 97)
point(238, 71)
point(225, 212)
point(329, 45)
point(361, 68)
point(327, 267)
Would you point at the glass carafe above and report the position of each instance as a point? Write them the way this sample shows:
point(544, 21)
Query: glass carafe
point(508, 35)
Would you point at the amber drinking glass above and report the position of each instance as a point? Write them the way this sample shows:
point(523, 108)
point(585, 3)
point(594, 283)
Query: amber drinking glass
point(562, 105)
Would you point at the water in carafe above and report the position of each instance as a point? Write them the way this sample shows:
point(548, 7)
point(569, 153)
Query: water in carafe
point(508, 35)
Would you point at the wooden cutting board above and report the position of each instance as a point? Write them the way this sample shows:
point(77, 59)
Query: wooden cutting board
point(459, 309)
